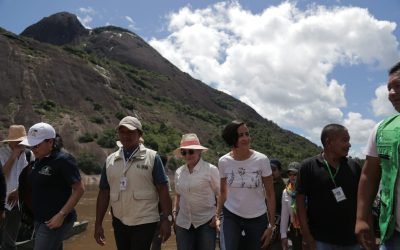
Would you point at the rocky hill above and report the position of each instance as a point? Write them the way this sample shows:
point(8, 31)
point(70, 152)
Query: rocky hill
point(83, 81)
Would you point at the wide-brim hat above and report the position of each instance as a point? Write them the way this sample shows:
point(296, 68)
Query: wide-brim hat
point(37, 133)
point(189, 141)
point(15, 133)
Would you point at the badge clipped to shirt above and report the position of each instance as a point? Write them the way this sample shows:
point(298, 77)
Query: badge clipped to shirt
point(339, 194)
point(123, 182)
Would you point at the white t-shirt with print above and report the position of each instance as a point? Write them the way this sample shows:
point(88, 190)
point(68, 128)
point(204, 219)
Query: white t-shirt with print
point(245, 191)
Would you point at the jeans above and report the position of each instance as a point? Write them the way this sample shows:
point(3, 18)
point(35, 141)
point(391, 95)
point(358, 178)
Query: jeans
point(9, 229)
point(133, 237)
point(327, 246)
point(241, 233)
point(50, 239)
point(392, 243)
point(200, 238)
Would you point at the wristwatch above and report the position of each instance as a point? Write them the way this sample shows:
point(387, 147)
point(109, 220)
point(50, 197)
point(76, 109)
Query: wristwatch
point(169, 218)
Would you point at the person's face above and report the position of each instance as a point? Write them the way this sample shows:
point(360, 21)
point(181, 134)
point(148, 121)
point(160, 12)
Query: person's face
point(15, 144)
point(243, 137)
point(191, 156)
point(128, 138)
point(42, 149)
point(339, 143)
point(292, 177)
point(394, 91)
point(276, 173)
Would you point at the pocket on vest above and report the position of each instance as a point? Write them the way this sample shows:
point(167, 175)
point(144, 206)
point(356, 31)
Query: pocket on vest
point(144, 195)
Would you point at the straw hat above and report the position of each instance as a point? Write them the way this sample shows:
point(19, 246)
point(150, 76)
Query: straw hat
point(189, 141)
point(16, 133)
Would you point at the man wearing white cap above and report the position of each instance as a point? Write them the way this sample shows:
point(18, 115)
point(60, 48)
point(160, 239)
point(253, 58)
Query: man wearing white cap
point(56, 187)
point(12, 161)
point(133, 181)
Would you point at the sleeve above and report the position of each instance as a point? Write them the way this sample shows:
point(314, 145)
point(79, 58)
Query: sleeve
point(370, 149)
point(284, 215)
point(221, 167)
point(215, 180)
point(70, 170)
point(265, 167)
point(159, 175)
point(301, 182)
point(103, 179)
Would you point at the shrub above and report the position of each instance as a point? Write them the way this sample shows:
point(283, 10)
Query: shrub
point(88, 163)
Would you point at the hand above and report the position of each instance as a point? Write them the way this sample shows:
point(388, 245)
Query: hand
point(99, 235)
point(215, 222)
point(16, 151)
point(165, 230)
point(266, 237)
point(365, 235)
point(309, 242)
point(12, 198)
point(56, 221)
point(285, 243)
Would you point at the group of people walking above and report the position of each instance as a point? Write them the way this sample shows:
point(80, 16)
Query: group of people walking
point(326, 204)
point(40, 177)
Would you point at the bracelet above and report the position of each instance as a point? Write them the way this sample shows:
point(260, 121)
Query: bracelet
point(272, 227)
point(62, 213)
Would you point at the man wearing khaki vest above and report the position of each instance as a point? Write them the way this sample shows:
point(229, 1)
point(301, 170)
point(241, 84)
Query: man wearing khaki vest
point(133, 181)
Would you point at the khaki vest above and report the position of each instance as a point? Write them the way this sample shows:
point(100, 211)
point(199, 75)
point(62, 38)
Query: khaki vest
point(138, 204)
point(387, 141)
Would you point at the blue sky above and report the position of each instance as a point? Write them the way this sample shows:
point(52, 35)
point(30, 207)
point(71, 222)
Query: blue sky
point(302, 64)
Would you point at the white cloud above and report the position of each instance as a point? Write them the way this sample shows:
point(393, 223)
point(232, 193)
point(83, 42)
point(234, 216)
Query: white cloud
point(381, 104)
point(280, 61)
point(131, 23)
point(87, 16)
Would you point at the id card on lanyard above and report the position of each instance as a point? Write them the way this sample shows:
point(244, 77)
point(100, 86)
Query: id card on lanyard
point(123, 181)
point(337, 191)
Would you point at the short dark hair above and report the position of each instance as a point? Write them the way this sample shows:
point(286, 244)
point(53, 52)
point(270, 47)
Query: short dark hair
point(230, 134)
point(395, 69)
point(329, 130)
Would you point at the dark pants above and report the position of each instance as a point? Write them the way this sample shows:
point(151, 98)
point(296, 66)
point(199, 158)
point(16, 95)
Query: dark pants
point(241, 233)
point(133, 237)
point(200, 238)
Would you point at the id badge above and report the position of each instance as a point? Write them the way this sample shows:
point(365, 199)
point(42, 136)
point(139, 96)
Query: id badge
point(123, 182)
point(339, 194)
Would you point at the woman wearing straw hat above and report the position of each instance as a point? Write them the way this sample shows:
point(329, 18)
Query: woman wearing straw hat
point(13, 160)
point(246, 181)
point(197, 190)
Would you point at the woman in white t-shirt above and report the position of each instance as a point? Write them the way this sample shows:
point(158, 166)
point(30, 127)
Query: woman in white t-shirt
point(197, 190)
point(246, 181)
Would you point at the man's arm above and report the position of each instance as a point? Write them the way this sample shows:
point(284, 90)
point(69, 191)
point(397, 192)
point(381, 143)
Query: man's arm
point(103, 200)
point(303, 219)
point(367, 190)
point(166, 208)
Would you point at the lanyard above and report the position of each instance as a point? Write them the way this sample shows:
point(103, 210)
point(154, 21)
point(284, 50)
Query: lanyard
point(126, 166)
point(330, 173)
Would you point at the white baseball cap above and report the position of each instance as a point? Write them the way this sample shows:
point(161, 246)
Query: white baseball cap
point(38, 133)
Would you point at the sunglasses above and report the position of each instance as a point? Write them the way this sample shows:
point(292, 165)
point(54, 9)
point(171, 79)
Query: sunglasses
point(187, 152)
point(38, 145)
point(292, 174)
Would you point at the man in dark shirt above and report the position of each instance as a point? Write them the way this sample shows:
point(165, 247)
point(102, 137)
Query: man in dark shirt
point(327, 194)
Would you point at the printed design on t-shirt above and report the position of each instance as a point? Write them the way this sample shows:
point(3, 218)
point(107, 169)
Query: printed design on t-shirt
point(244, 179)
point(46, 170)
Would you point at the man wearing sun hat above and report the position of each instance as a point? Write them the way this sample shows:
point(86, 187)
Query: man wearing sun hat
point(13, 160)
point(133, 181)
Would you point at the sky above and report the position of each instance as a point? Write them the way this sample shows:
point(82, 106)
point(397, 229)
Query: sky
point(302, 64)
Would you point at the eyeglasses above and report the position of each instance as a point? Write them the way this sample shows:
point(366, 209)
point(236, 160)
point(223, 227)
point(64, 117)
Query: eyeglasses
point(187, 152)
point(292, 174)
